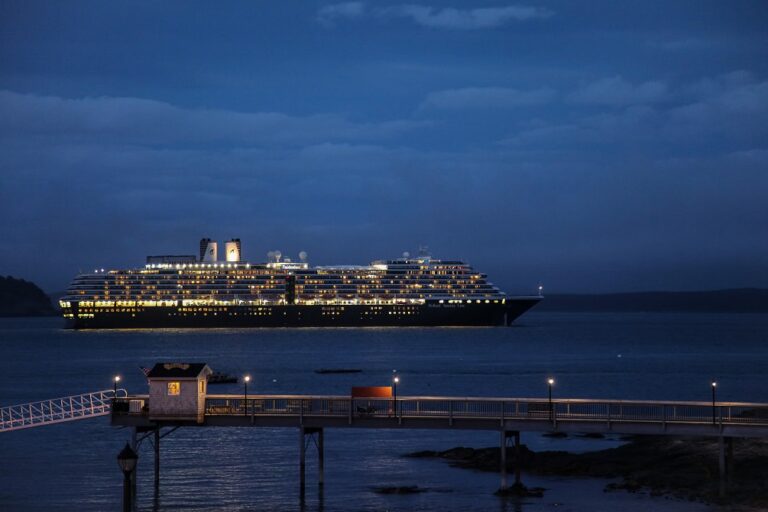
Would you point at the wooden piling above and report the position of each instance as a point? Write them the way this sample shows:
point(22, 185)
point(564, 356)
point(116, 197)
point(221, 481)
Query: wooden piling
point(503, 458)
point(157, 458)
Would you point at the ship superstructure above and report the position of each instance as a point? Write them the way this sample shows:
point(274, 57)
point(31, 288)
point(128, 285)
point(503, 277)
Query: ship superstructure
point(189, 291)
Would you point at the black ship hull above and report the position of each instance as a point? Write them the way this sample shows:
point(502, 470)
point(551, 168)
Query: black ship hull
point(405, 315)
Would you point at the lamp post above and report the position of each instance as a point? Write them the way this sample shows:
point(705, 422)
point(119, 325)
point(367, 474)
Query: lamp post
point(395, 380)
point(714, 388)
point(550, 383)
point(246, 380)
point(115, 381)
point(127, 460)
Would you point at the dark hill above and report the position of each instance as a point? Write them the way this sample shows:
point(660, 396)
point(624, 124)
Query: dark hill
point(743, 300)
point(22, 298)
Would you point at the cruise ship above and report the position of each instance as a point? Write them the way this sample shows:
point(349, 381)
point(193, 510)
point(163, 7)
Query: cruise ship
point(203, 291)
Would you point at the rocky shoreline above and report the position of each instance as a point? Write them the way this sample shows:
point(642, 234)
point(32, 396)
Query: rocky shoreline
point(685, 468)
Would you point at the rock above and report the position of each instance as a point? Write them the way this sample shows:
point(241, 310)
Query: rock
point(521, 491)
point(678, 467)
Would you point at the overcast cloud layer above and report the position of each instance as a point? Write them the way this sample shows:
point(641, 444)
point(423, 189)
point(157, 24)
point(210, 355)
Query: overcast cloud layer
point(608, 147)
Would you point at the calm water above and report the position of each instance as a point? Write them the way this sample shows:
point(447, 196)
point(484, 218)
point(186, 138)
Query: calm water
point(632, 356)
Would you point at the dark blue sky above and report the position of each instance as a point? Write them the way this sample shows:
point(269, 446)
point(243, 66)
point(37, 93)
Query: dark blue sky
point(600, 146)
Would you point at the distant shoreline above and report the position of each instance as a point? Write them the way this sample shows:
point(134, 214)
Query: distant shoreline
point(742, 300)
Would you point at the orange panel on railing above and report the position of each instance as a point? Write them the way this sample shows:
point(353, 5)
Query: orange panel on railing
point(371, 392)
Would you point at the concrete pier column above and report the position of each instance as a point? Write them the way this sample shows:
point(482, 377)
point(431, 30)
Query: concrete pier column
point(503, 460)
point(320, 458)
point(302, 462)
point(135, 448)
point(518, 480)
point(729, 466)
point(157, 458)
point(721, 460)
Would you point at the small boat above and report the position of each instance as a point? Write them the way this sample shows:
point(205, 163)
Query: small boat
point(221, 378)
point(338, 370)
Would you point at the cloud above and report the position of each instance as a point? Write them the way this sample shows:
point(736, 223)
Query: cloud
point(723, 113)
point(615, 91)
point(434, 17)
point(141, 121)
point(330, 14)
point(466, 19)
point(486, 97)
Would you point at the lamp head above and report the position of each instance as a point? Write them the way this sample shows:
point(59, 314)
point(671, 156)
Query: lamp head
point(127, 458)
point(396, 380)
point(550, 381)
point(247, 379)
point(714, 384)
point(117, 379)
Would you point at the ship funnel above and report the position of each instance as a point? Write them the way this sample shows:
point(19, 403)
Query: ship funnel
point(232, 250)
point(204, 247)
point(211, 252)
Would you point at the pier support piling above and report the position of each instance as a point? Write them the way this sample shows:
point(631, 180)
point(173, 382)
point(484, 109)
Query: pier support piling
point(721, 460)
point(505, 435)
point(157, 458)
point(503, 460)
point(729, 462)
point(135, 448)
point(307, 436)
point(518, 480)
point(320, 458)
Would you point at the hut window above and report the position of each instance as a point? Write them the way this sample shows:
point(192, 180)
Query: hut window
point(174, 388)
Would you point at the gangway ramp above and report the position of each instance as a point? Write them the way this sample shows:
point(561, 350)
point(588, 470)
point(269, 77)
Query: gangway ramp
point(59, 410)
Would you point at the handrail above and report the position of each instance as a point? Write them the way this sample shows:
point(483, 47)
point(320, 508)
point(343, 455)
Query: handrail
point(501, 399)
point(507, 409)
point(58, 410)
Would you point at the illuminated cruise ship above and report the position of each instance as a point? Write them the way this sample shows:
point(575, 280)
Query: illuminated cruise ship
point(187, 291)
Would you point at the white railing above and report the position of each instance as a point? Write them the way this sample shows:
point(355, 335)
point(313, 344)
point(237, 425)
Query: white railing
point(608, 411)
point(58, 410)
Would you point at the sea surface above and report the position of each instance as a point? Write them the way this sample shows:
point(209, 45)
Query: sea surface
point(72, 466)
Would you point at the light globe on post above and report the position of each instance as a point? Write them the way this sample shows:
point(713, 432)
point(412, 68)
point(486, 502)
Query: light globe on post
point(246, 380)
point(714, 396)
point(550, 383)
point(115, 381)
point(127, 459)
point(395, 381)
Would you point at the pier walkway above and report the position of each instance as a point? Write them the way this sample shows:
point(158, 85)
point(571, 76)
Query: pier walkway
point(58, 410)
point(311, 415)
point(729, 419)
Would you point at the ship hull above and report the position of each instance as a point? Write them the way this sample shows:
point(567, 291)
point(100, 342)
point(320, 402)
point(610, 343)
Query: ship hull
point(429, 314)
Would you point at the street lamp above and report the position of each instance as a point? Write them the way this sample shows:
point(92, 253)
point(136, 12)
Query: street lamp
point(714, 388)
point(246, 380)
point(127, 460)
point(550, 383)
point(395, 380)
point(115, 381)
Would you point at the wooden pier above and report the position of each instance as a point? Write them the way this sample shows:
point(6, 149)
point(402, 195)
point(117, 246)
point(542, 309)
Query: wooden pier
point(311, 415)
point(178, 398)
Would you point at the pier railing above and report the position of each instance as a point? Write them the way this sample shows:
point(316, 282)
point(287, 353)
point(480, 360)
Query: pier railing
point(609, 411)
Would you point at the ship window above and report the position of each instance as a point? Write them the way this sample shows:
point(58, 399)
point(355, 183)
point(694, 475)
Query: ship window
point(174, 388)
